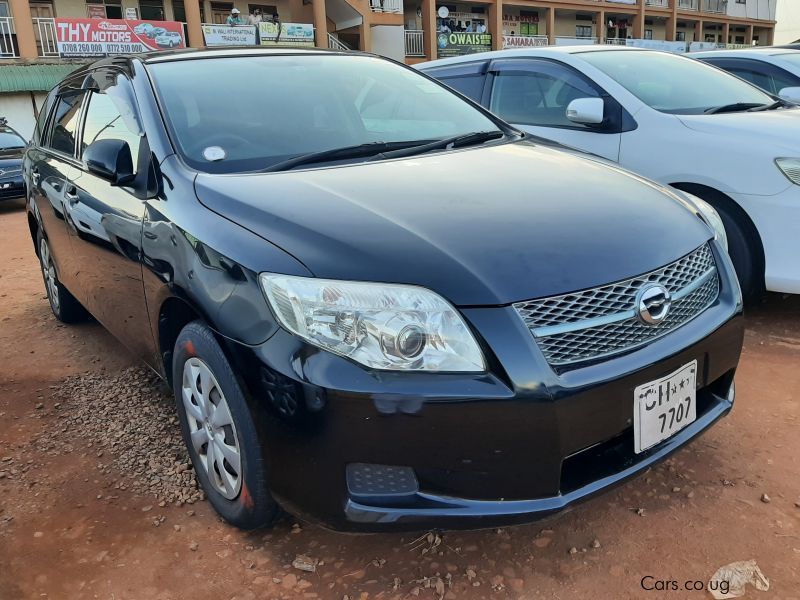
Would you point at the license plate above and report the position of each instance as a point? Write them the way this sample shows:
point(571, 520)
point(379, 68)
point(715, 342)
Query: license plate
point(663, 407)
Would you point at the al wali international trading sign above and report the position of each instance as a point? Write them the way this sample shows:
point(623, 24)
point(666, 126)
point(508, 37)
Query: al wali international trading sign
point(458, 44)
point(105, 37)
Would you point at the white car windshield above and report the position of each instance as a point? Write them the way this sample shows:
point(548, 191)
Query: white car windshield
point(262, 111)
point(676, 84)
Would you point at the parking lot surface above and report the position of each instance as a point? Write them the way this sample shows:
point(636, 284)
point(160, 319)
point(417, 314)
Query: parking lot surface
point(97, 499)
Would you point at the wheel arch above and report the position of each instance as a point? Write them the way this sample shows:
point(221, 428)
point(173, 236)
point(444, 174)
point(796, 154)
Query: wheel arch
point(720, 200)
point(173, 315)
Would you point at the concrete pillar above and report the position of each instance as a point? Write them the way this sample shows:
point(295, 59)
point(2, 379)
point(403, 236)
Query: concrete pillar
point(748, 36)
point(193, 25)
point(601, 27)
point(23, 25)
point(638, 28)
point(429, 28)
point(320, 23)
point(496, 24)
point(672, 23)
point(551, 25)
point(698, 31)
point(726, 33)
point(770, 36)
point(366, 35)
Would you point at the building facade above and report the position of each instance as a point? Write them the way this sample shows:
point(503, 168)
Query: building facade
point(787, 28)
point(31, 31)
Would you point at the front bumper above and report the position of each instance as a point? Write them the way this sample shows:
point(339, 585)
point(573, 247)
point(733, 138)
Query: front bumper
point(12, 187)
point(510, 445)
point(777, 219)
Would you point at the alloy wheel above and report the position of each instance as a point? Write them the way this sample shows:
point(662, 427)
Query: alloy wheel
point(49, 273)
point(211, 427)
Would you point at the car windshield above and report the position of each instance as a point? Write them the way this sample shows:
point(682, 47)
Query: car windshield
point(10, 141)
point(236, 114)
point(676, 84)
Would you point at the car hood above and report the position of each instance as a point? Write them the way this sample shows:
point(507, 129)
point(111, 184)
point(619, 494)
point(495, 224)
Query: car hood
point(484, 226)
point(779, 129)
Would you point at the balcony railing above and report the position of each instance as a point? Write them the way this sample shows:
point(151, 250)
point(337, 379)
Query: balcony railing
point(45, 31)
point(689, 4)
point(336, 44)
point(7, 48)
point(616, 41)
point(658, 3)
point(715, 6)
point(415, 45)
point(387, 6)
point(562, 40)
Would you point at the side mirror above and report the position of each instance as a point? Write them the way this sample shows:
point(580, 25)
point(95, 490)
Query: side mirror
point(586, 111)
point(792, 94)
point(111, 160)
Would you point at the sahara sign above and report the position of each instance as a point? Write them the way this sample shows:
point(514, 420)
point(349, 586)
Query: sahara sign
point(104, 37)
point(458, 44)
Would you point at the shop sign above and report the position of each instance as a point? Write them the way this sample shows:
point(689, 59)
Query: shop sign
point(519, 41)
point(229, 35)
point(105, 37)
point(459, 44)
point(286, 34)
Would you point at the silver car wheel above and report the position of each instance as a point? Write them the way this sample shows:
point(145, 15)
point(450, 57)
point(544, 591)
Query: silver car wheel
point(49, 272)
point(211, 427)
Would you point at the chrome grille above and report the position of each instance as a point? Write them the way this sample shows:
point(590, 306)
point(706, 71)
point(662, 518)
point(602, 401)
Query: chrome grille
point(602, 321)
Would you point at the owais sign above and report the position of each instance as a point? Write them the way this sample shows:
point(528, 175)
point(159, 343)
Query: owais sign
point(104, 37)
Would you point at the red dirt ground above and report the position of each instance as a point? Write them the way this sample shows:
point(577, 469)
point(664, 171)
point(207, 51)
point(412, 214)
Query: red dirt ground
point(701, 510)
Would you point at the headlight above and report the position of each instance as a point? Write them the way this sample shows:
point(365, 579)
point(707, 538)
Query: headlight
point(790, 167)
point(710, 216)
point(382, 326)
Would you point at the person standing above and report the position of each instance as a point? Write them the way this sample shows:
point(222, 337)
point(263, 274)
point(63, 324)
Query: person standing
point(255, 17)
point(234, 18)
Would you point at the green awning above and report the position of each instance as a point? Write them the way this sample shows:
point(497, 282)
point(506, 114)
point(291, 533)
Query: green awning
point(33, 77)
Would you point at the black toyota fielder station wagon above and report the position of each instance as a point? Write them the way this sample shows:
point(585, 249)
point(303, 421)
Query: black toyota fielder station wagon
point(378, 305)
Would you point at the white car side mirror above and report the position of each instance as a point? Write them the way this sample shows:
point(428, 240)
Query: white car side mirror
point(792, 94)
point(586, 111)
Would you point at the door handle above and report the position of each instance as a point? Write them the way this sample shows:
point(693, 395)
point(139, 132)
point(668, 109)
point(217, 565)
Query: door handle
point(35, 176)
point(71, 194)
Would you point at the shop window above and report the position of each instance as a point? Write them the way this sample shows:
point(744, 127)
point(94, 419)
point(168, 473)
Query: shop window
point(179, 11)
point(583, 31)
point(4, 9)
point(680, 36)
point(151, 10)
point(648, 34)
point(112, 9)
point(220, 12)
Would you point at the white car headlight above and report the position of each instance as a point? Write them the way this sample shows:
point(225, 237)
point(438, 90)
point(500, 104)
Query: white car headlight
point(790, 167)
point(382, 326)
point(710, 216)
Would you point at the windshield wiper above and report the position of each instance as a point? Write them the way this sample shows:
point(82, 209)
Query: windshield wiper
point(735, 107)
point(773, 106)
point(357, 151)
point(465, 139)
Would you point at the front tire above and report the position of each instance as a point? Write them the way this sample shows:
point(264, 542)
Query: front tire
point(748, 265)
point(64, 305)
point(220, 430)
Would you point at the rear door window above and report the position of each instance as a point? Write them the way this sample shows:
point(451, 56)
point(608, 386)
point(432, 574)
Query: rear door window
point(63, 135)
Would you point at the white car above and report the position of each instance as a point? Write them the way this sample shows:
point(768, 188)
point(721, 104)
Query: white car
point(670, 118)
point(775, 70)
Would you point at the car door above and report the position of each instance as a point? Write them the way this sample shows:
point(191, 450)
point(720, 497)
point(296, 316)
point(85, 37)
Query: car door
point(768, 77)
point(533, 94)
point(50, 163)
point(105, 220)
